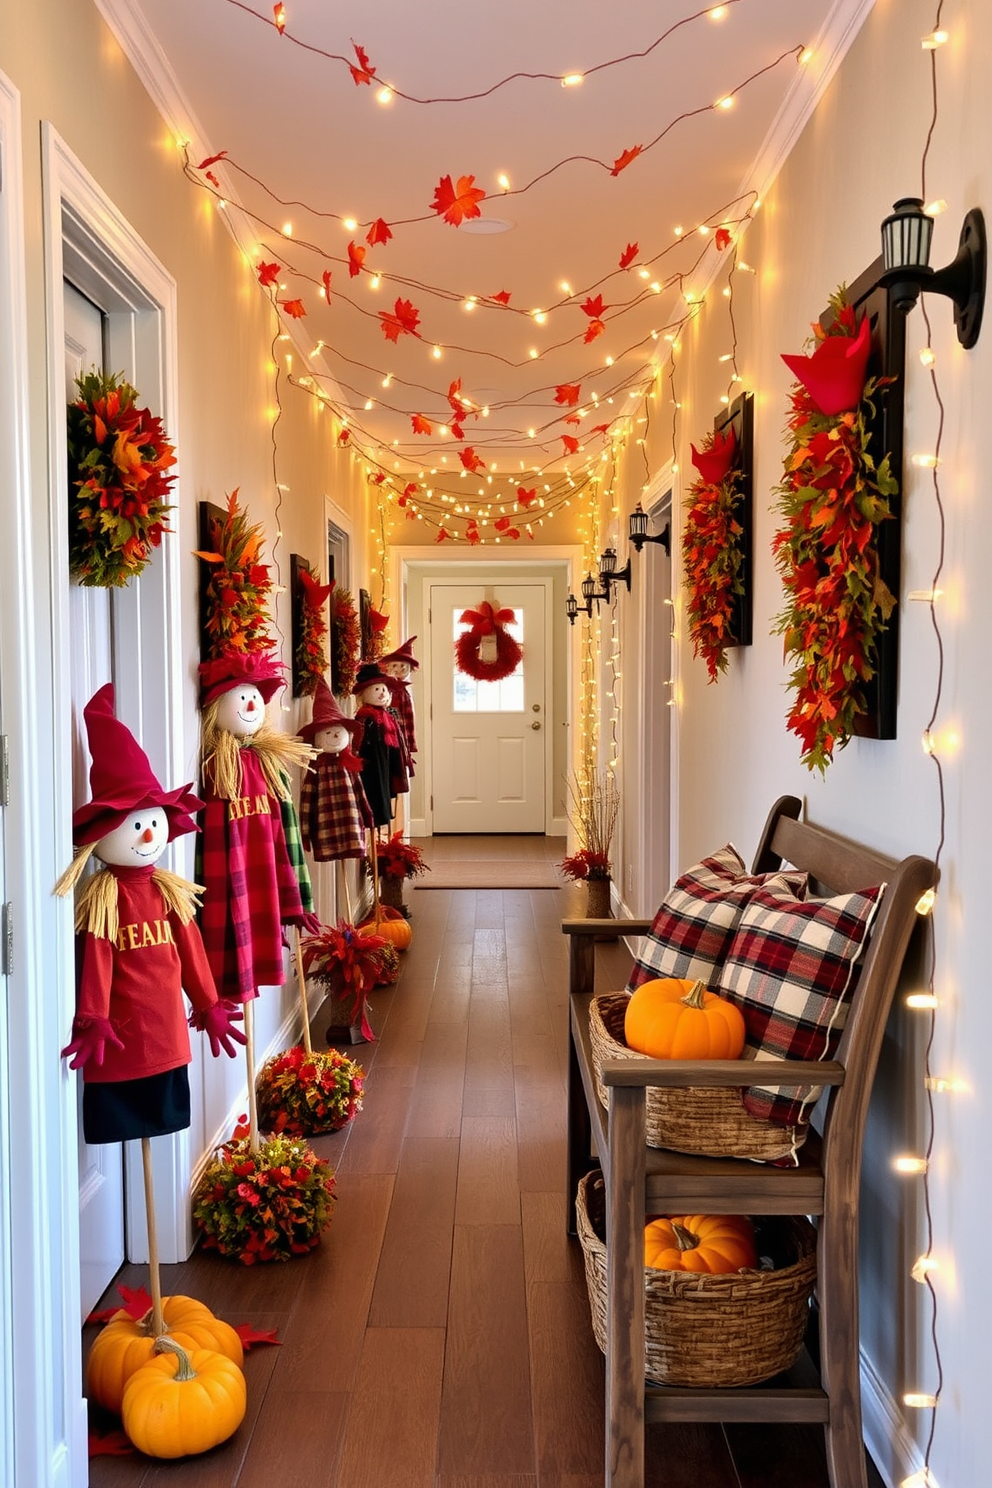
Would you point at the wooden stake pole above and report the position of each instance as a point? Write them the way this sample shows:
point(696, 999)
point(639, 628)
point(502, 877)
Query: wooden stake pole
point(342, 864)
point(301, 978)
point(250, 1062)
point(158, 1320)
point(373, 837)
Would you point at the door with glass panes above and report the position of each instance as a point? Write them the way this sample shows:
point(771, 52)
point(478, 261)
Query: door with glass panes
point(488, 739)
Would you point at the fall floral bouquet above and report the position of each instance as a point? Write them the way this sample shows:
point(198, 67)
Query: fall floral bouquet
point(237, 589)
point(712, 556)
point(398, 859)
point(346, 641)
point(584, 864)
point(302, 1094)
point(349, 964)
point(118, 462)
point(265, 1206)
point(595, 805)
point(833, 499)
point(311, 643)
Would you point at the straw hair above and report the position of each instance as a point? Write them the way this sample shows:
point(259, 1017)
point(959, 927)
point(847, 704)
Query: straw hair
point(277, 753)
point(96, 904)
point(179, 896)
point(69, 879)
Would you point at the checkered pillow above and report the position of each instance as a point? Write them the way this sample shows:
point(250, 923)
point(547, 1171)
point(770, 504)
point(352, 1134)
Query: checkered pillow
point(791, 969)
point(693, 929)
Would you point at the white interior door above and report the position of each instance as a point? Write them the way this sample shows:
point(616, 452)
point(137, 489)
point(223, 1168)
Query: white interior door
point(488, 739)
point(91, 632)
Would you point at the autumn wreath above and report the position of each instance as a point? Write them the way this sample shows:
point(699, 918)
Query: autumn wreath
point(237, 589)
point(311, 646)
point(712, 555)
point(118, 462)
point(833, 499)
point(346, 641)
point(487, 651)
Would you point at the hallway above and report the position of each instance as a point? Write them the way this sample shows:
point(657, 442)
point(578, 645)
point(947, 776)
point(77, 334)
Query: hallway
point(439, 1336)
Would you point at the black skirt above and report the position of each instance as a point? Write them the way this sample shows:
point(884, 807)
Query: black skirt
point(122, 1110)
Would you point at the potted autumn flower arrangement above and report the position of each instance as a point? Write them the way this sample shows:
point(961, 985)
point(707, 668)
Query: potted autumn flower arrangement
point(305, 1092)
point(595, 805)
point(268, 1205)
point(397, 860)
point(349, 963)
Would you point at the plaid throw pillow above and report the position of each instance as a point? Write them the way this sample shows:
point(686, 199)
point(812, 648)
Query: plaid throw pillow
point(791, 970)
point(693, 929)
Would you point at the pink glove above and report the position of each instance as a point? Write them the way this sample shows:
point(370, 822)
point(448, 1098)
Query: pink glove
point(90, 1037)
point(308, 922)
point(217, 1022)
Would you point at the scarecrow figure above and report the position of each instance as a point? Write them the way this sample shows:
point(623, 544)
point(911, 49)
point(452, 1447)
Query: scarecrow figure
point(334, 810)
point(383, 775)
point(253, 885)
point(139, 947)
point(398, 665)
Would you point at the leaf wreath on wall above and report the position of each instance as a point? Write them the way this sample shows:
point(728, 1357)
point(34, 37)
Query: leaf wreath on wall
point(119, 459)
point(833, 498)
point(237, 586)
point(712, 555)
point(346, 641)
point(309, 628)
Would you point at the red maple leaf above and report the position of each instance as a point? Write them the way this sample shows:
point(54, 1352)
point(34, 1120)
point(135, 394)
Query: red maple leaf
point(294, 308)
point(571, 444)
point(600, 429)
point(593, 329)
point(212, 179)
point(622, 161)
point(364, 72)
point(251, 1336)
point(279, 16)
point(459, 406)
point(526, 498)
point(472, 533)
point(356, 257)
point(568, 393)
point(325, 279)
point(628, 255)
point(594, 308)
point(456, 203)
point(457, 431)
point(444, 533)
point(212, 160)
point(268, 273)
point(471, 460)
point(344, 434)
point(401, 320)
point(112, 1444)
point(503, 298)
point(379, 232)
point(722, 239)
point(421, 425)
point(502, 524)
point(378, 478)
point(573, 418)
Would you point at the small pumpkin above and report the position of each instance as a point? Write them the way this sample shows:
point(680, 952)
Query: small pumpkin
point(392, 926)
point(182, 1403)
point(126, 1343)
point(710, 1243)
point(674, 1018)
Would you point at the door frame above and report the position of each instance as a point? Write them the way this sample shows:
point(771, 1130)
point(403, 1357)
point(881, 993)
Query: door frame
point(408, 564)
point(661, 669)
point(90, 242)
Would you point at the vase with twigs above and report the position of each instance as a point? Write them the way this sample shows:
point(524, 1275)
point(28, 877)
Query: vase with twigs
point(595, 805)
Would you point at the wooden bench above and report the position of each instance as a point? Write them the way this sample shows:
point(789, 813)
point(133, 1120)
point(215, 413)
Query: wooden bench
point(825, 1184)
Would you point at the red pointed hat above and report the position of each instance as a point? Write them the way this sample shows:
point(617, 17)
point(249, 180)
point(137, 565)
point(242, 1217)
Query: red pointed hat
point(326, 714)
point(260, 668)
point(121, 779)
point(403, 653)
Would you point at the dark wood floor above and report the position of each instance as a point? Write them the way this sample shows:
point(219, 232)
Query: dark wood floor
point(439, 1336)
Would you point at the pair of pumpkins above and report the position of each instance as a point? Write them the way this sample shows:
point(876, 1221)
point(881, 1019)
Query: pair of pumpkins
point(177, 1394)
point(675, 1018)
point(710, 1244)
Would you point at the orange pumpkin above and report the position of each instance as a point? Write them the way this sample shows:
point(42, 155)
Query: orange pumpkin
point(710, 1243)
point(392, 926)
point(126, 1343)
point(672, 1018)
point(181, 1403)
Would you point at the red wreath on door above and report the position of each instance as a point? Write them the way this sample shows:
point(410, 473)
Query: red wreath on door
point(487, 651)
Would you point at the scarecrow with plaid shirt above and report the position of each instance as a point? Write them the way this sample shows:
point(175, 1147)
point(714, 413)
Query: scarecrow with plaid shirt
point(334, 810)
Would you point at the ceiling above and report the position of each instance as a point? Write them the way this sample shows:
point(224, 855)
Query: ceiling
point(308, 146)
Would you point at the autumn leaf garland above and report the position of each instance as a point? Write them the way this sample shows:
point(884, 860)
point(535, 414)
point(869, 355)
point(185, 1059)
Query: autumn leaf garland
point(712, 554)
point(833, 500)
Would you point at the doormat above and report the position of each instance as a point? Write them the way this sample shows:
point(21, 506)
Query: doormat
point(494, 873)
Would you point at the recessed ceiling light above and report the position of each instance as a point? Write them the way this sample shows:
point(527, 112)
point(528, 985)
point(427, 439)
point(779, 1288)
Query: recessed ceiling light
point(484, 225)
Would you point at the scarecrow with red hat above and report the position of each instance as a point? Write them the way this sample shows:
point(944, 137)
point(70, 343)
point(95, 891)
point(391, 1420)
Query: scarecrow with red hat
point(381, 743)
point(334, 810)
point(398, 665)
point(139, 945)
point(253, 887)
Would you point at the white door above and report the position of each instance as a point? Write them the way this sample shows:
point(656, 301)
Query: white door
point(489, 740)
point(91, 632)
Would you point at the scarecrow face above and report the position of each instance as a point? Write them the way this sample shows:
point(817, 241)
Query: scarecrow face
point(241, 710)
point(140, 839)
point(331, 740)
point(400, 669)
point(375, 695)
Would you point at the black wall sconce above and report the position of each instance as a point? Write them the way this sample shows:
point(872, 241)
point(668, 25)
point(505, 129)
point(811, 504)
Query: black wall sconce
point(906, 236)
point(610, 574)
point(638, 533)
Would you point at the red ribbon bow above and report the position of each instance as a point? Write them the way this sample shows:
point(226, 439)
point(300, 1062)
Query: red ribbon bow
point(486, 620)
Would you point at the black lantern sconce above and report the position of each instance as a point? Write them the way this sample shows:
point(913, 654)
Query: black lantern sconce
point(906, 236)
point(638, 533)
point(610, 574)
point(572, 606)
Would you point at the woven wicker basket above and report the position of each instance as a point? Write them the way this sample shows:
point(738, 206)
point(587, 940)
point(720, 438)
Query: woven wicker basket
point(719, 1331)
point(707, 1122)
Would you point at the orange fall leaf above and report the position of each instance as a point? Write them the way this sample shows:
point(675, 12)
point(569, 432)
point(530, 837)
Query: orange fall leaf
point(457, 203)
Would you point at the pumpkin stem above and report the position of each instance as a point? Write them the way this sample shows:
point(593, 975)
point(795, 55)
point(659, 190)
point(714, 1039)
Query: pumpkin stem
point(166, 1345)
point(684, 1238)
point(695, 995)
point(146, 1324)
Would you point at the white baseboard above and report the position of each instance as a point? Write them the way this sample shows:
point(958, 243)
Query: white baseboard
point(418, 826)
point(559, 826)
point(893, 1451)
